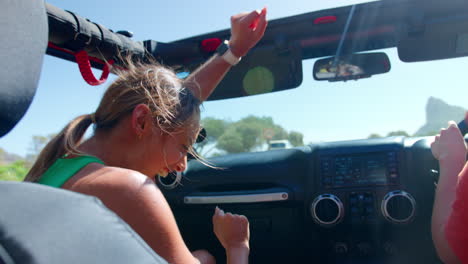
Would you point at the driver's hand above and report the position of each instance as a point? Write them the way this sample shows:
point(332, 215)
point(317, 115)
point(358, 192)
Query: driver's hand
point(449, 145)
point(231, 230)
point(246, 30)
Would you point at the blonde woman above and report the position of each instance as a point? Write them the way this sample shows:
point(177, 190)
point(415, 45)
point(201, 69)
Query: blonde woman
point(144, 125)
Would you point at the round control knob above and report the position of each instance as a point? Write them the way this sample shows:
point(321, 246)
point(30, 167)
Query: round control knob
point(327, 210)
point(398, 207)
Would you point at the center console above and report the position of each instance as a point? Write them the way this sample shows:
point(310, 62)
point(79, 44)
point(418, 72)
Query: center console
point(361, 188)
point(361, 169)
point(359, 193)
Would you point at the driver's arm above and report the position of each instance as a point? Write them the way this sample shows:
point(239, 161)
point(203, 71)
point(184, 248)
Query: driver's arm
point(445, 196)
point(450, 149)
point(246, 30)
point(456, 232)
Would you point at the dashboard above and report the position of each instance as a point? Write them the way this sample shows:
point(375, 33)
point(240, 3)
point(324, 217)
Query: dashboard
point(360, 201)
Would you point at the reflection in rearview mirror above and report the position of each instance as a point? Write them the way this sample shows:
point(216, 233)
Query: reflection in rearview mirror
point(352, 67)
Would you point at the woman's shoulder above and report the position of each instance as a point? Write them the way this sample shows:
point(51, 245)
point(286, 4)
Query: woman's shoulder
point(100, 178)
point(122, 177)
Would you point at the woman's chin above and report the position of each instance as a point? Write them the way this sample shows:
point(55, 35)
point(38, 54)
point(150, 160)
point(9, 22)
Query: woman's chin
point(163, 173)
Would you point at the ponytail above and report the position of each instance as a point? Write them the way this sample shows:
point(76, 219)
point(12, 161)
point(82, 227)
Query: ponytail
point(157, 87)
point(66, 142)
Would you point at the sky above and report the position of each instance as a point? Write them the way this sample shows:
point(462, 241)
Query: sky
point(322, 111)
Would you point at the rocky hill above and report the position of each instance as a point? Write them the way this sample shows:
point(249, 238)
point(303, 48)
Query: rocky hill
point(438, 113)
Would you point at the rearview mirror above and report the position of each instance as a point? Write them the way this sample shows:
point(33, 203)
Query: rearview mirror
point(351, 67)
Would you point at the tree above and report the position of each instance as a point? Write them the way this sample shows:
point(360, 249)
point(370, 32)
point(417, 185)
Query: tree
point(390, 134)
point(374, 135)
point(2, 156)
point(398, 133)
point(296, 138)
point(37, 144)
point(247, 134)
point(215, 128)
point(231, 141)
point(241, 136)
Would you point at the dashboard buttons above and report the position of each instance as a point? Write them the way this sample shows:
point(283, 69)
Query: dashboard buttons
point(327, 210)
point(390, 249)
point(325, 170)
point(392, 168)
point(364, 249)
point(340, 248)
point(361, 207)
point(398, 207)
point(359, 169)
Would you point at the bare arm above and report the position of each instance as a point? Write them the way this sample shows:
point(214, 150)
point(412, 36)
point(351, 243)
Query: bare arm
point(204, 80)
point(444, 198)
point(450, 149)
point(237, 255)
point(137, 200)
point(233, 233)
point(246, 30)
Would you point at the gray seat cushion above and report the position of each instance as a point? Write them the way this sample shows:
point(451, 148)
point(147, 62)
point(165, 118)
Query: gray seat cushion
point(40, 224)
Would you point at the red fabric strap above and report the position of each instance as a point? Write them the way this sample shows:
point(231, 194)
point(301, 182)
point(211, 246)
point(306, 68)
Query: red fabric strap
point(84, 65)
point(85, 68)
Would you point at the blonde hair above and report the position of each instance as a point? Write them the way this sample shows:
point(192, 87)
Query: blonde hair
point(140, 83)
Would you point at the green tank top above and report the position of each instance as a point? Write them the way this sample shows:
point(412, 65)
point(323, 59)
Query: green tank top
point(64, 169)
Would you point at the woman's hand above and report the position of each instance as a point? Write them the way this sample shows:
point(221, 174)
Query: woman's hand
point(231, 230)
point(246, 30)
point(449, 145)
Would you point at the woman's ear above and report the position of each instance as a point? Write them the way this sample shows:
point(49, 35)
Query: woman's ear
point(141, 116)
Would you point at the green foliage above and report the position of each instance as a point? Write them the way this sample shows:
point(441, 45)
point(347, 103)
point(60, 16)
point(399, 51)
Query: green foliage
point(215, 126)
point(374, 135)
point(398, 133)
point(14, 167)
point(248, 134)
point(296, 138)
point(37, 144)
point(15, 171)
point(231, 141)
point(2, 154)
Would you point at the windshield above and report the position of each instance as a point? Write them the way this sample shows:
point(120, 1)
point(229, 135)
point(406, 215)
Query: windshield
point(412, 99)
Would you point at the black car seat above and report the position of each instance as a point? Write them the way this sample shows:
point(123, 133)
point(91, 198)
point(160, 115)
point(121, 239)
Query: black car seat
point(40, 224)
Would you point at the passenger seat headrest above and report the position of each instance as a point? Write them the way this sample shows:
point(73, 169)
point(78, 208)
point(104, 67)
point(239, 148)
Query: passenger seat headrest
point(23, 42)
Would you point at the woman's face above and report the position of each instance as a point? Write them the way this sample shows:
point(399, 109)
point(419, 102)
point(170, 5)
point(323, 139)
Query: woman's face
point(169, 151)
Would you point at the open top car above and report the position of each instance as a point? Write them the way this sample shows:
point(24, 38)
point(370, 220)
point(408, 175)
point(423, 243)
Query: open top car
point(358, 90)
point(334, 200)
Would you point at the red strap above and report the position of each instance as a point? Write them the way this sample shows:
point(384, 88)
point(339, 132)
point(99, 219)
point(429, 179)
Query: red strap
point(85, 68)
point(84, 64)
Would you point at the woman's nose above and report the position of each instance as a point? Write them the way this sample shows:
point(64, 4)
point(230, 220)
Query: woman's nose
point(181, 165)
